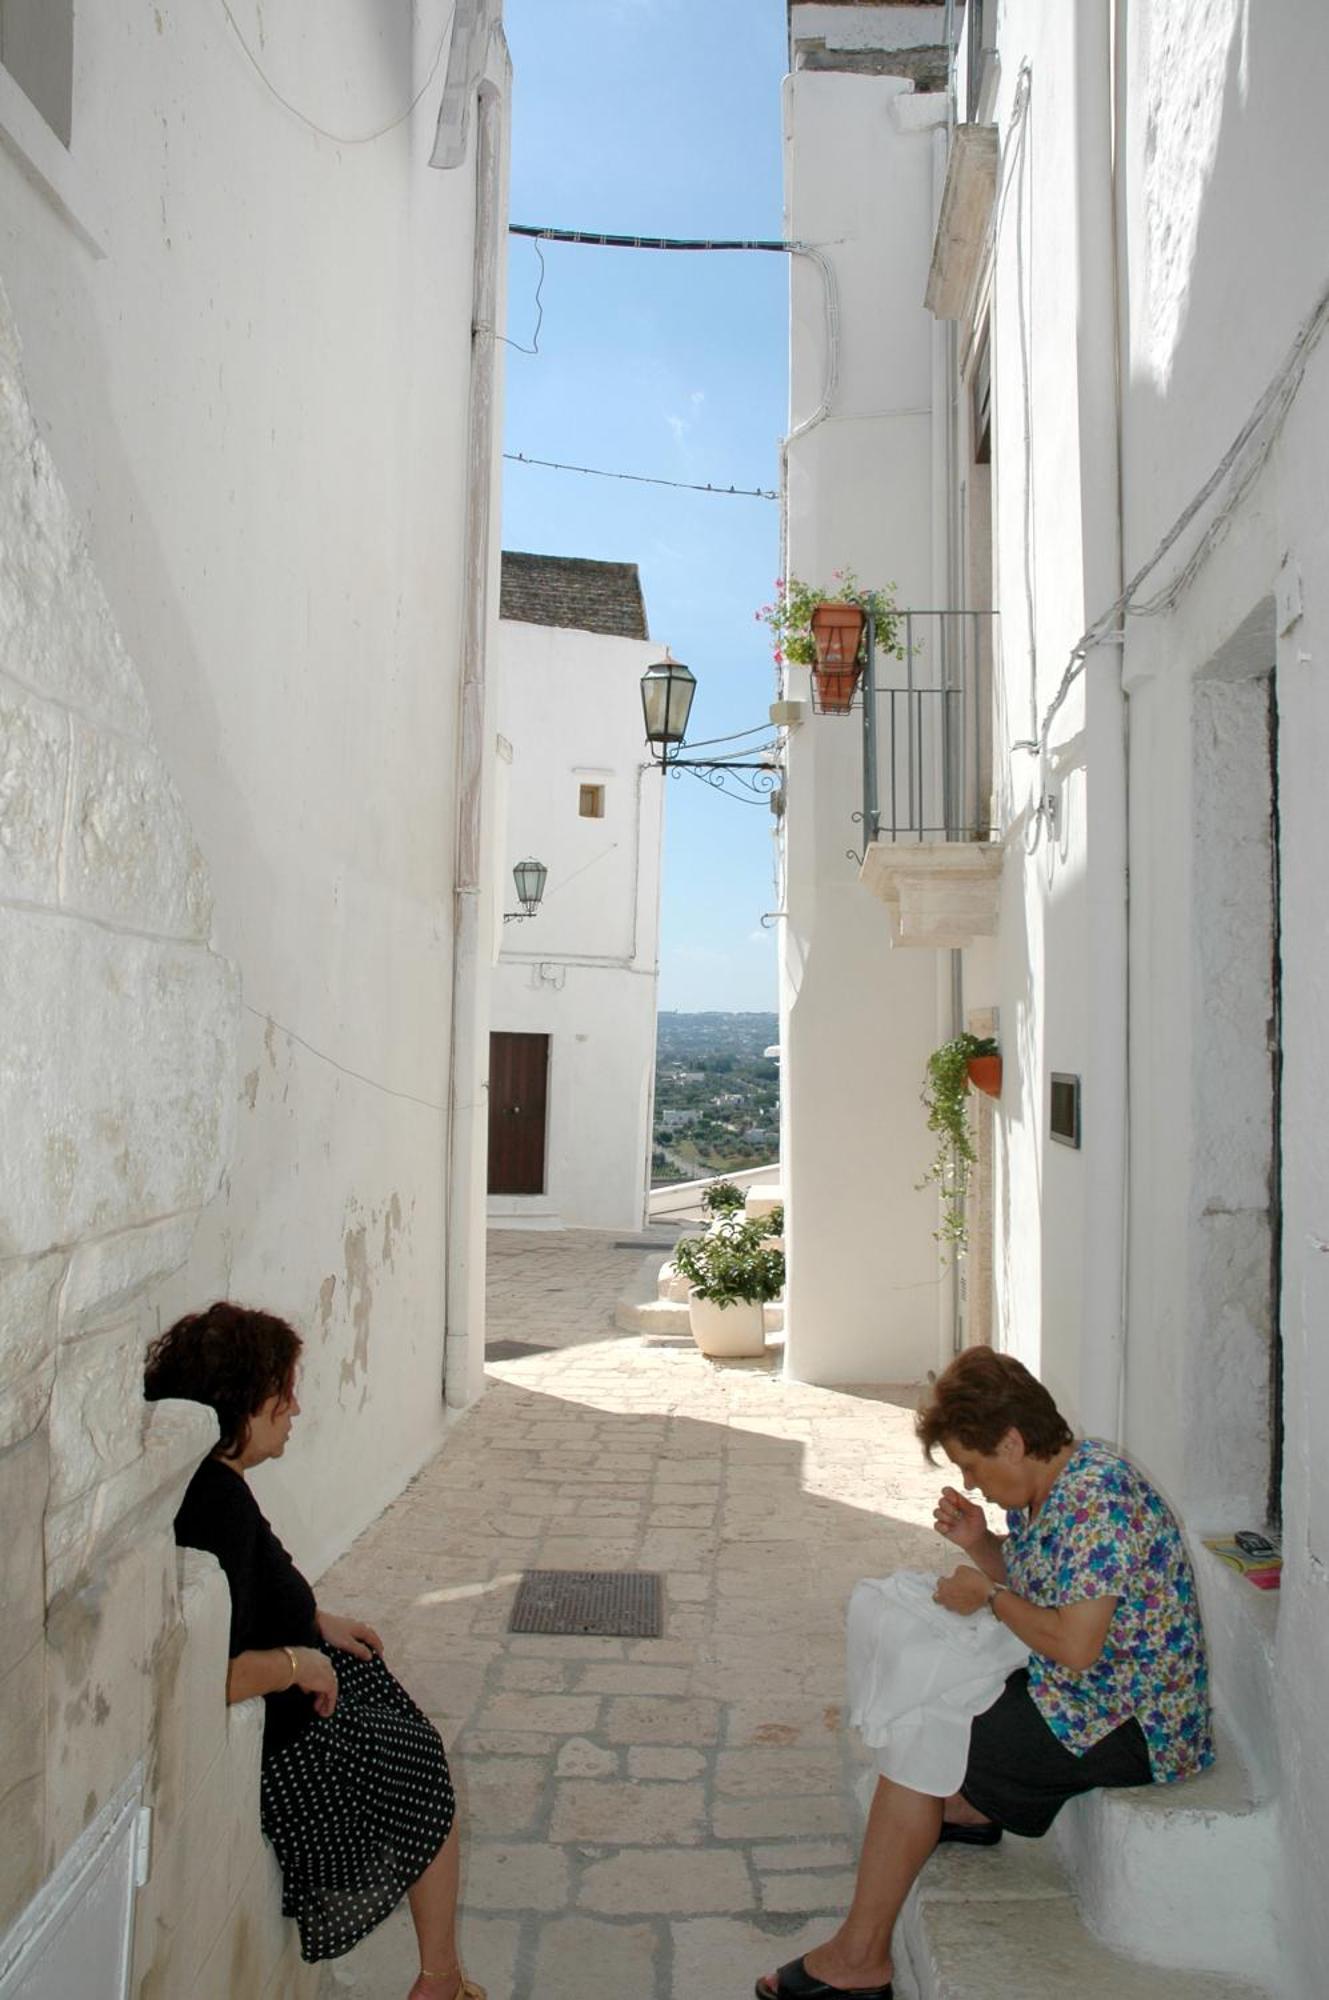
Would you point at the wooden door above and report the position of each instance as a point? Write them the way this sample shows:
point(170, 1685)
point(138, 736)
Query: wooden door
point(518, 1093)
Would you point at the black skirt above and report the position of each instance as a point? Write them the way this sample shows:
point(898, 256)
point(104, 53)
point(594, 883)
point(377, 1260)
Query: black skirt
point(357, 1806)
point(1020, 1774)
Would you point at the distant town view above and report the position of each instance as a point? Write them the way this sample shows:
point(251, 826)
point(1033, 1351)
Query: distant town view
point(717, 1095)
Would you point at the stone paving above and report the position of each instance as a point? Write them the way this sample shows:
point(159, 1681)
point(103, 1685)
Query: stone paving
point(661, 1818)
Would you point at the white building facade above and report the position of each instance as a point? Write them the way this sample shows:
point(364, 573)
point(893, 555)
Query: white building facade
point(572, 1062)
point(249, 397)
point(1072, 383)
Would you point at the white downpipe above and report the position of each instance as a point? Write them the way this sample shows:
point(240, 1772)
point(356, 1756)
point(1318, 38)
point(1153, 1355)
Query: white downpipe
point(463, 1368)
point(1106, 1091)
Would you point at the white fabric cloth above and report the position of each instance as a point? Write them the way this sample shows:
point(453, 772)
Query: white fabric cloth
point(918, 1675)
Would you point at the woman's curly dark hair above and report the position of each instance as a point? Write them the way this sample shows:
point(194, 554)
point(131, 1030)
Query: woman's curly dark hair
point(980, 1396)
point(230, 1357)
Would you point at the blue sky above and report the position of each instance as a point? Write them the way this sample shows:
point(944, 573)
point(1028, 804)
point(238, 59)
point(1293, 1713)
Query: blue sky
point(662, 118)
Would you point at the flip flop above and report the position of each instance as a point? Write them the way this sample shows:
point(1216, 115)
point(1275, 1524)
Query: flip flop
point(794, 1982)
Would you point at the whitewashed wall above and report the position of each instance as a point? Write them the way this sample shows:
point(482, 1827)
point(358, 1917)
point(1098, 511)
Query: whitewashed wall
point(866, 1287)
point(253, 388)
point(585, 970)
point(1221, 259)
point(258, 398)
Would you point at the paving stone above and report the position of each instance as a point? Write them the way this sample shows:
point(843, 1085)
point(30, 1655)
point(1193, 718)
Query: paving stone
point(767, 1819)
point(671, 1764)
point(804, 1854)
point(534, 1676)
point(502, 1795)
point(530, 1875)
point(642, 1881)
point(795, 1893)
point(580, 1955)
point(564, 1714)
point(641, 1720)
point(776, 1772)
point(716, 1956)
point(634, 1678)
point(580, 1758)
point(808, 1723)
point(628, 1815)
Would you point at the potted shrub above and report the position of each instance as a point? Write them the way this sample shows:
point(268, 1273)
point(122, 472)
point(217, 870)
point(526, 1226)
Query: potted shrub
point(721, 1198)
point(944, 1095)
point(824, 630)
point(733, 1273)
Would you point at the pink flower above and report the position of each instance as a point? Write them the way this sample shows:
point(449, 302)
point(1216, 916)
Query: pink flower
point(779, 657)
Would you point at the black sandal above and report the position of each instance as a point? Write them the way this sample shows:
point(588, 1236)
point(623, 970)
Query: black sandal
point(794, 1982)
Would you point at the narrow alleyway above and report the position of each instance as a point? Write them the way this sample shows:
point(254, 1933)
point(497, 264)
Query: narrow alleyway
point(653, 1820)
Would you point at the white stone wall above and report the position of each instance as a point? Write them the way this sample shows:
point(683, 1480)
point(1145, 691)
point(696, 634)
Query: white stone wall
point(866, 1288)
point(118, 1089)
point(253, 378)
point(585, 970)
point(260, 397)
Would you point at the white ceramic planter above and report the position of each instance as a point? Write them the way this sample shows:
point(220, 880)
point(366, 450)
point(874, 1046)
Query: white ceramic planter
point(727, 1331)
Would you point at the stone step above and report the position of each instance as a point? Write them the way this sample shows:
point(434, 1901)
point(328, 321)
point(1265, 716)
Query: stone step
point(663, 1322)
point(1183, 1874)
point(993, 1924)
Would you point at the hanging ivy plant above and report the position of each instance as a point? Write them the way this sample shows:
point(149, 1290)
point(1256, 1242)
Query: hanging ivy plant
point(945, 1098)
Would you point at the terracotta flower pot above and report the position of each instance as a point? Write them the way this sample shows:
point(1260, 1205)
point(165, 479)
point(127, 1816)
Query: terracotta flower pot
point(837, 633)
point(834, 688)
point(985, 1074)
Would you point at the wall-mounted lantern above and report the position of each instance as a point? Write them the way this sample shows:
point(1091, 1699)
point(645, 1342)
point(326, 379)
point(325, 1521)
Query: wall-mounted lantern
point(667, 689)
point(529, 877)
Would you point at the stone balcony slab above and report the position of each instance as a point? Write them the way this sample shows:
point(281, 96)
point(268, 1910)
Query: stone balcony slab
point(941, 894)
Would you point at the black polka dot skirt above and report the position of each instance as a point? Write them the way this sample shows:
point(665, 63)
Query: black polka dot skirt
point(356, 1808)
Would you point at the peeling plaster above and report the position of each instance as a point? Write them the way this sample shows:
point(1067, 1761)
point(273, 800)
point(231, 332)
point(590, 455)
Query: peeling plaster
point(360, 1291)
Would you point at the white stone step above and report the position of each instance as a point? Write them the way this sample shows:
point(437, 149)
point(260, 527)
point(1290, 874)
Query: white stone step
point(1001, 1924)
point(1183, 1874)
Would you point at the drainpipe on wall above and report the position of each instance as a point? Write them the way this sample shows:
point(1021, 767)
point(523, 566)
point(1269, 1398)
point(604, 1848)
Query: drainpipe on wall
point(1103, 1301)
point(463, 1366)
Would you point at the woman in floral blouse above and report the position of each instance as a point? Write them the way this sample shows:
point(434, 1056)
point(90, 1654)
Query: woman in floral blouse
point(1092, 1575)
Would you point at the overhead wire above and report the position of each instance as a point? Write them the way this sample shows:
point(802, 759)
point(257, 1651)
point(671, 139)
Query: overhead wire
point(341, 138)
point(645, 479)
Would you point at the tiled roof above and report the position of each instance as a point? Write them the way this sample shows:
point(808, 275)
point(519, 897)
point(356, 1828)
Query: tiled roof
point(572, 591)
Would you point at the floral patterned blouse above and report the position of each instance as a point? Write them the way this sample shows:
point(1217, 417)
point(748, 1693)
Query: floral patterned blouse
point(1104, 1532)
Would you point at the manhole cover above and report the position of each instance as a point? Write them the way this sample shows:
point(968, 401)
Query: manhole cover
point(611, 1604)
point(512, 1350)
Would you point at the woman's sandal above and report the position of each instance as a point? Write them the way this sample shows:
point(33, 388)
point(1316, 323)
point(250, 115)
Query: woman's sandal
point(468, 1990)
point(795, 1982)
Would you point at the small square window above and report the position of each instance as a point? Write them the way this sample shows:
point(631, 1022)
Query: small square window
point(1065, 1119)
point(591, 801)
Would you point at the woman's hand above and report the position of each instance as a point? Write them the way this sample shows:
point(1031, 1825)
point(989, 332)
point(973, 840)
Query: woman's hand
point(315, 1673)
point(348, 1635)
point(965, 1590)
point(959, 1519)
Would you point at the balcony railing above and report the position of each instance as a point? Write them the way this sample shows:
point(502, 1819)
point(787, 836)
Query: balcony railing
point(927, 750)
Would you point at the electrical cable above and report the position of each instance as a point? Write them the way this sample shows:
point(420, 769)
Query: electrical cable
point(534, 347)
point(644, 479)
point(1245, 458)
point(599, 240)
point(342, 138)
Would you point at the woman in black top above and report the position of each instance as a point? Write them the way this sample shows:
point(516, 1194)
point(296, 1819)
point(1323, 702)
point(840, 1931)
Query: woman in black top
point(356, 1797)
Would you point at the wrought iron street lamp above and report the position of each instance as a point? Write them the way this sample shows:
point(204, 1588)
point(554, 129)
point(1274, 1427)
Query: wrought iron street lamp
point(529, 877)
point(667, 689)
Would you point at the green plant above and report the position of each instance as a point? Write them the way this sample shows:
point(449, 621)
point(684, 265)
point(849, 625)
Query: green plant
point(721, 1198)
point(789, 616)
point(734, 1264)
point(945, 1096)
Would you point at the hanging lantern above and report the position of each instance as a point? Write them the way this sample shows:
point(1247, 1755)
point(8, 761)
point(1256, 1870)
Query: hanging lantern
point(529, 877)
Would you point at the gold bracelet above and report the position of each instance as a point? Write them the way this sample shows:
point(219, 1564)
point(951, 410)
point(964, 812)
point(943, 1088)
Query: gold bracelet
point(295, 1665)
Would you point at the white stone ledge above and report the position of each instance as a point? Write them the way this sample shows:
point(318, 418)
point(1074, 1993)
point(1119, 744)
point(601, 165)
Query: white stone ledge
point(940, 894)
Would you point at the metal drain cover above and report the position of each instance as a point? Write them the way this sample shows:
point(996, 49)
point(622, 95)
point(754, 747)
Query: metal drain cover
point(606, 1603)
point(512, 1350)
